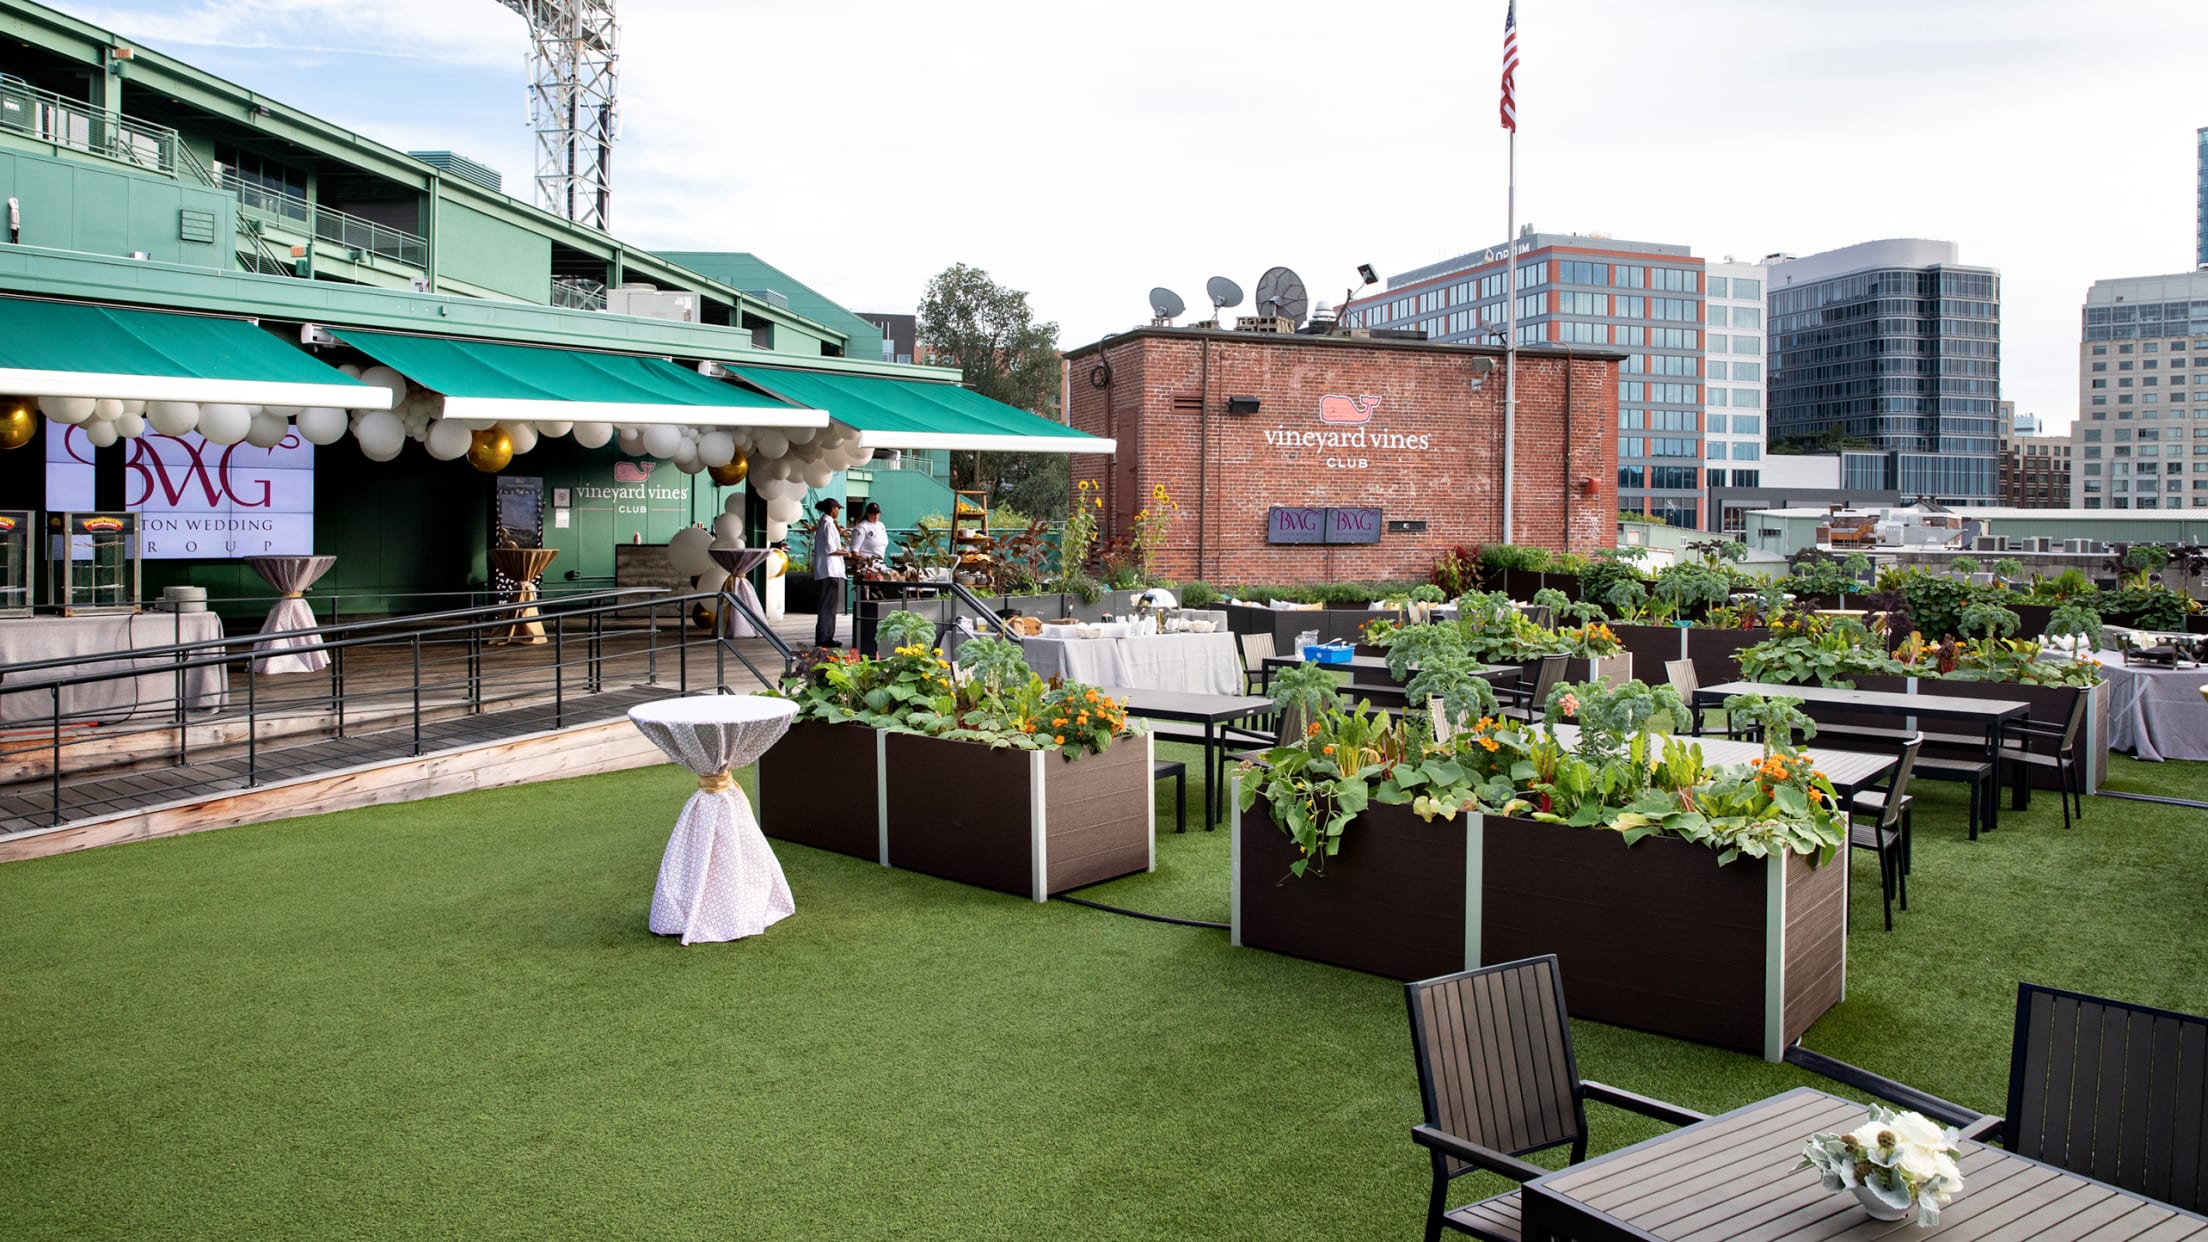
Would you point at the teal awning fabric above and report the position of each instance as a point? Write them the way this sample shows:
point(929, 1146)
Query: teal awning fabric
point(915, 414)
point(77, 349)
point(527, 383)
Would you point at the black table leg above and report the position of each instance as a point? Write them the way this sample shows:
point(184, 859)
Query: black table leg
point(1212, 767)
point(1993, 781)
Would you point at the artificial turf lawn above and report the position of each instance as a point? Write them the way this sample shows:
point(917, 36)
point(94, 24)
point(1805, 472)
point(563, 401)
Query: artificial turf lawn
point(447, 1018)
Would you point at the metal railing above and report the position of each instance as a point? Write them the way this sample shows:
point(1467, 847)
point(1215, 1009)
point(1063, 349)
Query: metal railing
point(46, 117)
point(576, 293)
point(325, 223)
point(455, 664)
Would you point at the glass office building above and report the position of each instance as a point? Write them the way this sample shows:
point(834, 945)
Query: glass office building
point(2200, 202)
point(1891, 349)
point(1644, 299)
point(2141, 439)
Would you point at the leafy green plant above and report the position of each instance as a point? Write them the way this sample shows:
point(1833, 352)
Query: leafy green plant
point(905, 629)
point(1777, 719)
point(1552, 599)
point(1835, 658)
point(1427, 593)
point(1198, 595)
point(1455, 680)
point(1963, 566)
point(1988, 620)
point(2008, 570)
point(1456, 571)
point(1301, 693)
point(1498, 558)
point(2075, 619)
point(1686, 588)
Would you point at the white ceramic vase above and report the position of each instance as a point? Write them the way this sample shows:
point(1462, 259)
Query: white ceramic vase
point(1875, 1207)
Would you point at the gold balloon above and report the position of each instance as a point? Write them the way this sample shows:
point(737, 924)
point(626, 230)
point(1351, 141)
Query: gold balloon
point(17, 423)
point(732, 473)
point(490, 450)
point(778, 562)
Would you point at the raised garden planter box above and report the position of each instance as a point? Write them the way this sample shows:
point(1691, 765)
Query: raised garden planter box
point(1611, 670)
point(1652, 646)
point(1333, 624)
point(1025, 822)
point(1655, 936)
point(1716, 653)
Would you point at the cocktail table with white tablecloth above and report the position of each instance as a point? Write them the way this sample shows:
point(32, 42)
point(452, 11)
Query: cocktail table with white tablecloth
point(290, 575)
point(739, 562)
point(718, 880)
point(1188, 663)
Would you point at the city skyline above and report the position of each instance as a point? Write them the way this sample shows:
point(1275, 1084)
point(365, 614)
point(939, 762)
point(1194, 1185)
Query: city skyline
point(1225, 149)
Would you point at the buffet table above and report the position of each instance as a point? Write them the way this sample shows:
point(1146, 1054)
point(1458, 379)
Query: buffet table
point(1187, 663)
point(2156, 713)
point(152, 693)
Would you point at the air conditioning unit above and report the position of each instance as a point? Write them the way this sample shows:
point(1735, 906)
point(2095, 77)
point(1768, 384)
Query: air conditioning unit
point(2078, 547)
point(1990, 543)
point(2037, 543)
point(647, 302)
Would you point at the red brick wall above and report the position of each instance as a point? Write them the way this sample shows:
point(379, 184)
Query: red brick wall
point(1453, 483)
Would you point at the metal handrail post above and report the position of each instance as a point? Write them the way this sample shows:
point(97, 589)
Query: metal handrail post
point(475, 672)
point(597, 652)
point(559, 670)
point(682, 658)
point(417, 645)
point(56, 691)
point(252, 731)
point(337, 688)
point(651, 645)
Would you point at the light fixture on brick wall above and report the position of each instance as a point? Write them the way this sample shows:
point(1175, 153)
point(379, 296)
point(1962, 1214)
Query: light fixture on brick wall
point(1242, 405)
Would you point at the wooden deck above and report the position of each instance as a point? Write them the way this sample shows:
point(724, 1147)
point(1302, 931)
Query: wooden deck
point(528, 720)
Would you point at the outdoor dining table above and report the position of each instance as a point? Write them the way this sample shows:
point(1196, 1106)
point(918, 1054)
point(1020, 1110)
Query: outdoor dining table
point(2156, 713)
point(718, 880)
point(1209, 710)
point(1988, 715)
point(1373, 669)
point(1849, 771)
point(1736, 1178)
point(1186, 663)
point(290, 575)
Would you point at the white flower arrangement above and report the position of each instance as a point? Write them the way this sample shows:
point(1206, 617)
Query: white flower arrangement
point(1895, 1159)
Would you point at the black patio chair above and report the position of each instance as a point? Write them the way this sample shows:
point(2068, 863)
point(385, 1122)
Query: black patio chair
point(2027, 745)
point(1527, 702)
point(1177, 772)
point(2109, 1090)
point(1887, 833)
point(1496, 1073)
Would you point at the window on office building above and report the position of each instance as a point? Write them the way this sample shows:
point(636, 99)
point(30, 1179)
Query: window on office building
point(1746, 288)
point(1747, 344)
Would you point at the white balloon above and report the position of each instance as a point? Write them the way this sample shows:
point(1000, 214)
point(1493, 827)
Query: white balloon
point(554, 429)
point(716, 448)
point(734, 504)
point(172, 418)
point(714, 579)
point(632, 441)
point(134, 407)
point(476, 424)
point(100, 434)
point(686, 551)
point(223, 423)
point(593, 435)
point(284, 411)
point(70, 410)
point(322, 424)
point(801, 435)
point(131, 426)
point(349, 370)
point(524, 436)
point(689, 465)
point(863, 456)
point(661, 440)
point(784, 511)
point(728, 531)
point(448, 440)
point(818, 474)
point(686, 456)
point(385, 377)
point(266, 431)
point(107, 409)
point(773, 443)
point(381, 435)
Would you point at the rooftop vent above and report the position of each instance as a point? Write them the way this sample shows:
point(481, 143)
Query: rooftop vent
point(770, 297)
point(454, 164)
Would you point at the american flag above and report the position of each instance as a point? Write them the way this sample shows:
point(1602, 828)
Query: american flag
point(1510, 68)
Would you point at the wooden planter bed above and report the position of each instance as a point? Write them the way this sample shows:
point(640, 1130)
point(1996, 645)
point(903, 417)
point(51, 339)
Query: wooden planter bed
point(1656, 936)
point(1018, 821)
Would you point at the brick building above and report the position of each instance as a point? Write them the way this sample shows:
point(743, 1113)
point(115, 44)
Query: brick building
point(1233, 424)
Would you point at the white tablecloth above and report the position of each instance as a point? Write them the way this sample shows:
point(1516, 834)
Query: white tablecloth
point(2155, 713)
point(291, 575)
point(1091, 661)
point(153, 693)
point(719, 880)
point(1195, 663)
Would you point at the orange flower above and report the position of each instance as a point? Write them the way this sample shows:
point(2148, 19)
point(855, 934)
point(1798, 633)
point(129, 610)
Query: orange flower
point(1491, 744)
point(1313, 731)
point(1060, 739)
point(1061, 720)
point(1092, 696)
point(1816, 796)
point(1327, 749)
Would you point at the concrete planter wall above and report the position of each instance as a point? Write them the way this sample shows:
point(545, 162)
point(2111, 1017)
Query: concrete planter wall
point(1655, 936)
point(1018, 821)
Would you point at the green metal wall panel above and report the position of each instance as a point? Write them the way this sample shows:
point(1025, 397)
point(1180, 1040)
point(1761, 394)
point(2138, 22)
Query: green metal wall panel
point(492, 254)
point(69, 204)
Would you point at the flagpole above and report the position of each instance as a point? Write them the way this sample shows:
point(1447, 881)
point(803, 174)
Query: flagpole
point(1510, 346)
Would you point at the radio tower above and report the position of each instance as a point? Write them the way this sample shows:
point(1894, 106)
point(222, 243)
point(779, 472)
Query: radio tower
point(573, 49)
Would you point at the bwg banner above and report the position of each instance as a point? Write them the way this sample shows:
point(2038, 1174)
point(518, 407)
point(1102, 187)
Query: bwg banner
point(198, 499)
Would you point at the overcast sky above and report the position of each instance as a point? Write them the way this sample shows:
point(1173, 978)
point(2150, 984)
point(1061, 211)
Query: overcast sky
point(1086, 153)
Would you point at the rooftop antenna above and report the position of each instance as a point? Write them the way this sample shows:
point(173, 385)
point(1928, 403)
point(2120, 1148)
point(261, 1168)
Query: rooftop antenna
point(574, 50)
point(1280, 295)
point(1164, 306)
point(1224, 293)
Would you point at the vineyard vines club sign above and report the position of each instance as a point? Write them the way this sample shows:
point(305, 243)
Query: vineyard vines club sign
point(1347, 439)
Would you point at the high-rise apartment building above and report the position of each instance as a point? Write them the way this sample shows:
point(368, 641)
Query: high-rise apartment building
point(2141, 439)
point(1733, 421)
point(1892, 347)
point(1642, 298)
point(2035, 466)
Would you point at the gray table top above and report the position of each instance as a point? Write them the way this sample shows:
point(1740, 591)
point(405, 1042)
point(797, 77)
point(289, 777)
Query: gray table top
point(1185, 705)
point(1848, 770)
point(1889, 702)
point(1734, 1177)
point(1376, 664)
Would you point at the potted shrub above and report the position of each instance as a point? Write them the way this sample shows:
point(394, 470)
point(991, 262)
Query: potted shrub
point(974, 777)
point(1688, 899)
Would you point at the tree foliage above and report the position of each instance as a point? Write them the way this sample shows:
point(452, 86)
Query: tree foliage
point(990, 332)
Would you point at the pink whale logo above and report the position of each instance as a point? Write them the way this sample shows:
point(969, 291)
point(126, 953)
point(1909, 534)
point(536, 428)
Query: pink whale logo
point(1338, 409)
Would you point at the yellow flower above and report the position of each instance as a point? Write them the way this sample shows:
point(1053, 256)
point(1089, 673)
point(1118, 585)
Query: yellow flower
point(1491, 744)
point(1060, 739)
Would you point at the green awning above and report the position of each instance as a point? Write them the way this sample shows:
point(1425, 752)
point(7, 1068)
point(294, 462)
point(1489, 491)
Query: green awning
point(76, 349)
point(915, 414)
point(528, 383)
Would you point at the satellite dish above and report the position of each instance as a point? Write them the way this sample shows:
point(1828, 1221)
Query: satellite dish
point(1165, 304)
point(1224, 292)
point(1280, 293)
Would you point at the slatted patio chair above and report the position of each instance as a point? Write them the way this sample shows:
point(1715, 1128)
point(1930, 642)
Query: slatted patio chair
point(1256, 649)
point(1683, 678)
point(2109, 1090)
point(1887, 832)
point(2027, 745)
point(1523, 702)
point(1496, 1072)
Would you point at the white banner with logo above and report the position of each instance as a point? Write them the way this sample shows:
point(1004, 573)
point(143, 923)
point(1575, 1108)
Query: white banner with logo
point(198, 500)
